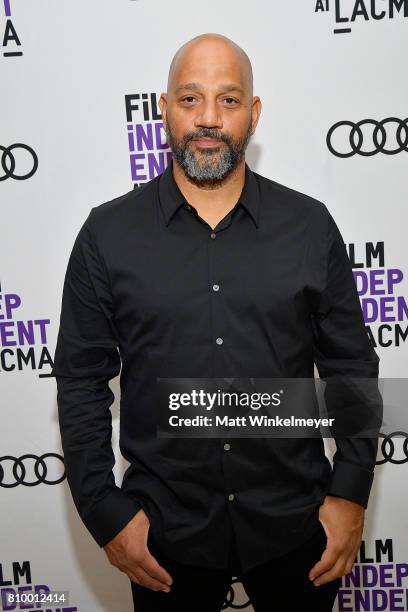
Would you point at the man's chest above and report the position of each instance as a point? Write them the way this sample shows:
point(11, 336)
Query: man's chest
point(181, 276)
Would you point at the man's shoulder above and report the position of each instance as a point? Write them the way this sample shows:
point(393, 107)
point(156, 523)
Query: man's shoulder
point(122, 208)
point(274, 192)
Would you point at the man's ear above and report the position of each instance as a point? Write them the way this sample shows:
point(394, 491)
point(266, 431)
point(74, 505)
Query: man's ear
point(256, 112)
point(163, 107)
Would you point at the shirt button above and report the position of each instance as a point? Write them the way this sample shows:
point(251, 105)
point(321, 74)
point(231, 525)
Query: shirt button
point(227, 446)
point(213, 235)
point(219, 340)
point(216, 287)
point(231, 497)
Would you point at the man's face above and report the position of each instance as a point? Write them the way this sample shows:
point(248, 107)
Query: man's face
point(208, 112)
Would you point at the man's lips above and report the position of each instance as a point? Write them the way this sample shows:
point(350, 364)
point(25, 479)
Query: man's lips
point(207, 142)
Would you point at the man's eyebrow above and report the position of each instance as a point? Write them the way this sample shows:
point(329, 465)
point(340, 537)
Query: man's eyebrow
point(198, 87)
point(231, 87)
point(189, 86)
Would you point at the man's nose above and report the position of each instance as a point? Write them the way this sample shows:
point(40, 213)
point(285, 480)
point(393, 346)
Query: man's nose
point(209, 115)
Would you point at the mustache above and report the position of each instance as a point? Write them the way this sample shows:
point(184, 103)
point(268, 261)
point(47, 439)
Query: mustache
point(212, 133)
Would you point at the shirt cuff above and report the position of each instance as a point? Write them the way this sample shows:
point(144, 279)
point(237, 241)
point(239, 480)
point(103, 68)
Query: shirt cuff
point(111, 515)
point(351, 481)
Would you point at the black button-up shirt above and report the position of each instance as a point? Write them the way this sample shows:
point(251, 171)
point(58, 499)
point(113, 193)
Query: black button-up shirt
point(152, 290)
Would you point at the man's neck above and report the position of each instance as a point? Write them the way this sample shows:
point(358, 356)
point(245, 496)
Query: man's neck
point(212, 204)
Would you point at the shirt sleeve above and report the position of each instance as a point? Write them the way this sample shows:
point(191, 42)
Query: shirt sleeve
point(344, 351)
point(86, 358)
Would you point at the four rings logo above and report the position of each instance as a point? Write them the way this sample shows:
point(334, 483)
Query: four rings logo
point(391, 452)
point(381, 140)
point(30, 470)
point(8, 163)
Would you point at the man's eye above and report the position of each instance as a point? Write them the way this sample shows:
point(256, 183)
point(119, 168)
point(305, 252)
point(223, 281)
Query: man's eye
point(188, 99)
point(231, 101)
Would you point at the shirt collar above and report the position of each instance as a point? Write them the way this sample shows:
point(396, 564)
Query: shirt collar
point(171, 197)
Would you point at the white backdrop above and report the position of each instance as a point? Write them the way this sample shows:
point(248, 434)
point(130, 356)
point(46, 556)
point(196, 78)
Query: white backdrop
point(66, 68)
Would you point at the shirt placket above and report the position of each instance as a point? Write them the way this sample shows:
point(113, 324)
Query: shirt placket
point(219, 327)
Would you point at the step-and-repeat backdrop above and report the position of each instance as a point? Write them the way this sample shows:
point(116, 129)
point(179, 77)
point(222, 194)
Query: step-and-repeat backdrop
point(79, 84)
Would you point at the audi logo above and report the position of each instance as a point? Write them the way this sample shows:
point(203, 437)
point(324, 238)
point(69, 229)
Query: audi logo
point(388, 449)
point(8, 162)
point(14, 470)
point(380, 137)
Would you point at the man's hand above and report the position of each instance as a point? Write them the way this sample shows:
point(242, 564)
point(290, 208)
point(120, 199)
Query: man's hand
point(343, 522)
point(128, 552)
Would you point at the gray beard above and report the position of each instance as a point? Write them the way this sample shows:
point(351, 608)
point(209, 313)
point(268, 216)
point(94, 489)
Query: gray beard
point(211, 168)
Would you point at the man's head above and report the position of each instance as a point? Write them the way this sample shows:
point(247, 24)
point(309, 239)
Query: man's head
point(209, 111)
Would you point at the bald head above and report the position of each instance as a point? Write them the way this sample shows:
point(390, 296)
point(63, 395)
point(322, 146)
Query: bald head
point(210, 49)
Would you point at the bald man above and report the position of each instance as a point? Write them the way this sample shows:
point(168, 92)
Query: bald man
point(212, 270)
